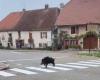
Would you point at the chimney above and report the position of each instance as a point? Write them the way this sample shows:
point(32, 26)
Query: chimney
point(62, 5)
point(24, 10)
point(46, 6)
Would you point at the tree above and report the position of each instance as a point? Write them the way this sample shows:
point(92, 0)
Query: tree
point(55, 38)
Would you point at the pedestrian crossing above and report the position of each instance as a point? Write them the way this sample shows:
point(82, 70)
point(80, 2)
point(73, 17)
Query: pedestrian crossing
point(72, 66)
point(60, 68)
point(23, 71)
point(89, 62)
point(32, 70)
point(84, 64)
point(6, 74)
point(40, 69)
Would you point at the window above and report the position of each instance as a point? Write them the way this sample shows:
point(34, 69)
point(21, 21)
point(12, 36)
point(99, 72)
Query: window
point(10, 38)
point(30, 35)
point(30, 39)
point(10, 41)
point(10, 34)
point(43, 35)
point(19, 34)
point(71, 42)
point(19, 43)
point(40, 45)
point(74, 30)
point(86, 27)
point(44, 45)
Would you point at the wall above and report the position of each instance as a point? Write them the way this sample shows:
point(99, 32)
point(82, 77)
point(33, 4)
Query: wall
point(25, 35)
point(4, 38)
point(82, 30)
point(92, 27)
point(37, 37)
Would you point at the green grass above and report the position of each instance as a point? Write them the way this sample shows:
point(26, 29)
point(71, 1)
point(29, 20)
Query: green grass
point(96, 53)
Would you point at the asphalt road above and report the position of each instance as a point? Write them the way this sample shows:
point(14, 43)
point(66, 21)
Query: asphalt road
point(25, 65)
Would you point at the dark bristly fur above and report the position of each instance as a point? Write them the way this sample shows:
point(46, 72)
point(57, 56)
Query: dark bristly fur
point(48, 60)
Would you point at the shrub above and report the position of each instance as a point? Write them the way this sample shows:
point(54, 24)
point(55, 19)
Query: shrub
point(75, 46)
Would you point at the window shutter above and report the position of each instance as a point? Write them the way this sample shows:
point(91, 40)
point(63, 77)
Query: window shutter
point(41, 35)
point(46, 35)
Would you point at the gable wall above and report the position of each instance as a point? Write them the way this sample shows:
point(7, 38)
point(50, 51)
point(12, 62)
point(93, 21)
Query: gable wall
point(4, 38)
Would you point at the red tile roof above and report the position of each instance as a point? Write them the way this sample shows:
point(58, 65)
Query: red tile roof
point(42, 19)
point(10, 21)
point(79, 12)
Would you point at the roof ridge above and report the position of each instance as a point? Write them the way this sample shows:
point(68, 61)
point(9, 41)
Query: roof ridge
point(33, 10)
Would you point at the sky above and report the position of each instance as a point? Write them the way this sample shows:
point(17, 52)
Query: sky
point(8, 6)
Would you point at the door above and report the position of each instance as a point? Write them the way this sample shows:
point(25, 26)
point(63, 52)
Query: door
point(90, 42)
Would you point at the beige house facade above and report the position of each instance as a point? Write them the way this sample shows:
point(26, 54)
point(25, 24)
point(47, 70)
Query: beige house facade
point(80, 30)
point(79, 24)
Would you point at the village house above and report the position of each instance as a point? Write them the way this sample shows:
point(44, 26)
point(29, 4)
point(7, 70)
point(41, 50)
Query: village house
point(79, 24)
point(28, 29)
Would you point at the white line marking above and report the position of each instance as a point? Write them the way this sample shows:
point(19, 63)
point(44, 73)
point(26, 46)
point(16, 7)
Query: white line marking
point(40, 69)
point(89, 62)
point(73, 66)
point(60, 68)
point(6, 74)
point(19, 64)
point(21, 60)
point(94, 60)
point(23, 71)
point(84, 64)
point(15, 52)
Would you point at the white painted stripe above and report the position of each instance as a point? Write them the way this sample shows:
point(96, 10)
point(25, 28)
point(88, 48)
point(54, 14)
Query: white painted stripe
point(89, 62)
point(60, 68)
point(15, 52)
point(73, 66)
point(40, 69)
point(6, 74)
point(23, 71)
point(21, 60)
point(84, 64)
point(94, 60)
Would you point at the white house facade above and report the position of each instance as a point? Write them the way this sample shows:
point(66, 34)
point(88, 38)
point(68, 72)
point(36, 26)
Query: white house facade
point(41, 39)
point(28, 29)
